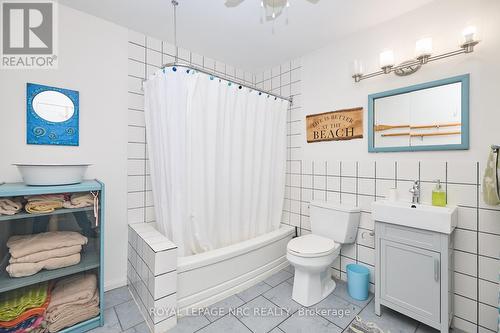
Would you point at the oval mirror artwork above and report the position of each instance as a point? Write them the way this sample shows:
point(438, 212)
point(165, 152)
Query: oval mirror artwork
point(52, 116)
point(53, 106)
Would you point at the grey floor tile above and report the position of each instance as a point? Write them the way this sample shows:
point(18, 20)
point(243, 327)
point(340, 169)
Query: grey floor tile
point(252, 292)
point(389, 319)
point(141, 328)
point(341, 291)
point(189, 324)
point(228, 323)
point(281, 295)
point(302, 322)
point(111, 324)
point(128, 314)
point(116, 296)
point(260, 315)
point(422, 328)
point(337, 310)
point(277, 278)
point(290, 269)
point(276, 330)
point(290, 280)
point(223, 307)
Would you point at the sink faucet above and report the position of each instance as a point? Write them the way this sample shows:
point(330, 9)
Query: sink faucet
point(415, 191)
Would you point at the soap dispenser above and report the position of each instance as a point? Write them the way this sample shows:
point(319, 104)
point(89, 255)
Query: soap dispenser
point(438, 195)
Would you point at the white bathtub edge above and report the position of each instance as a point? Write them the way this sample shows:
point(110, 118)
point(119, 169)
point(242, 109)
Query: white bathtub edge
point(185, 303)
point(207, 258)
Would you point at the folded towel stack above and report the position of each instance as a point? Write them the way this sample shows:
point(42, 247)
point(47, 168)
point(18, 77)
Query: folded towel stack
point(9, 207)
point(23, 310)
point(38, 204)
point(73, 300)
point(79, 200)
point(48, 250)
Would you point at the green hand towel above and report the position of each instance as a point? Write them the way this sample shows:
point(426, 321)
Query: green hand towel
point(13, 303)
point(490, 180)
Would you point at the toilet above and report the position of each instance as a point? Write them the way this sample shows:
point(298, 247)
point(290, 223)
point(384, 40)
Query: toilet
point(312, 255)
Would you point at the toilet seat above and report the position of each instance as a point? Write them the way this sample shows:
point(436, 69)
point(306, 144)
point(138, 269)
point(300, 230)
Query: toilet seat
point(310, 246)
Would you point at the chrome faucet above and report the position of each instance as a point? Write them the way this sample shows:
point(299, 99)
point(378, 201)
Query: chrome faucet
point(415, 191)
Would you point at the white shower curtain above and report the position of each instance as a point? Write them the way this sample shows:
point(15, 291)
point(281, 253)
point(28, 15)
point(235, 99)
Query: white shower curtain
point(217, 158)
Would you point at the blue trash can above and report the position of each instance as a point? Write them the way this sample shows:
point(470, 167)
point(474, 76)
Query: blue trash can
point(358, 281)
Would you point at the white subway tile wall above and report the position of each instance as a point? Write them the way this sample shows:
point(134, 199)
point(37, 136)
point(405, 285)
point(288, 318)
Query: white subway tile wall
point(152, 275)
point(145, 56)
point(477, 238)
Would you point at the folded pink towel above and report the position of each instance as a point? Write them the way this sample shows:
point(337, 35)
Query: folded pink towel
point(73, 314)
point(44, 255)
point(20, 246)
point(27, 269)
point(79, 200)
point(77, 289)
point(73, 300)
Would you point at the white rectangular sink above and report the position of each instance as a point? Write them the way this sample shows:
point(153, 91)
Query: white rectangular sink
point(432, 218)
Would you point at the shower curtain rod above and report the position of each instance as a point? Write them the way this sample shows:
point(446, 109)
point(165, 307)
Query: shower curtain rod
point(204, 71)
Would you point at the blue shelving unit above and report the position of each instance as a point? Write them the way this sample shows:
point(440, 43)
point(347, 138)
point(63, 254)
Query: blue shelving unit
point(92, 257)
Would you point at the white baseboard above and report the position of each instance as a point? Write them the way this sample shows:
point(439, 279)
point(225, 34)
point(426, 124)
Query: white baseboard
point(110, 285)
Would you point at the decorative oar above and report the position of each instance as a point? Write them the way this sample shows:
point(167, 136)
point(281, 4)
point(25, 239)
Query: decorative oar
point(379, 128)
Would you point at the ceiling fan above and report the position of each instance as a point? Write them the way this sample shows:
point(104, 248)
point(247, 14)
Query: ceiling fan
point(272, 8)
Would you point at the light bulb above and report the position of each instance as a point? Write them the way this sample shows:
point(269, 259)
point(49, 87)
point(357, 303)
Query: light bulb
point(262, 4)
point(387, 59)
point(288, 3)
point(357, 67)
point(274, 15)
point(423, 47)
point(469, 33)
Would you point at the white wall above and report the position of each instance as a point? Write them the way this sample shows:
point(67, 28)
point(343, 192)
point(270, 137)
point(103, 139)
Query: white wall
point(93, 61)
point(345, 172)
point(327, 83)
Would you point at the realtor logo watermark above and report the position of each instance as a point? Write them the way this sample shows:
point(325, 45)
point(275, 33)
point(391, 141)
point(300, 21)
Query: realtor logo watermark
point(29, 38)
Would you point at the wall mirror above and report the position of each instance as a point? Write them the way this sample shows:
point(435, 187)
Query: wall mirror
point(52, 116)
point(429, 116)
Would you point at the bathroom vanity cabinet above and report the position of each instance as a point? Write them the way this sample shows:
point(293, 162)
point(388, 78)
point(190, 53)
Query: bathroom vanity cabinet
point(414, 273)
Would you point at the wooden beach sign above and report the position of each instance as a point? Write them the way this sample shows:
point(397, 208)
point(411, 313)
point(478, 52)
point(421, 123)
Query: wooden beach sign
point(335, 125)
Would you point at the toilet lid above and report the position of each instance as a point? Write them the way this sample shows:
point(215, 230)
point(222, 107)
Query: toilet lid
point(311, 246)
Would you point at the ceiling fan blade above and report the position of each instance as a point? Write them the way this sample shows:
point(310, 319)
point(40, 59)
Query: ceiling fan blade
point(233, 3)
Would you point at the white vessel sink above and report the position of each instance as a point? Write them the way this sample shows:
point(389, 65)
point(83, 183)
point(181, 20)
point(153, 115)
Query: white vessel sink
point(52, 174)
point(432, 218)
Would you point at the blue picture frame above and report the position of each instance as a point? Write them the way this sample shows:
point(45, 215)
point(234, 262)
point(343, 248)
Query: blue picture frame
point(464, 145)
point(40, 131)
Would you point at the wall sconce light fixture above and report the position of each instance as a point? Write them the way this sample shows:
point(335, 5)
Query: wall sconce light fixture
point(423, 55)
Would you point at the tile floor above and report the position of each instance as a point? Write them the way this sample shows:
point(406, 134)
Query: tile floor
point(265, 307)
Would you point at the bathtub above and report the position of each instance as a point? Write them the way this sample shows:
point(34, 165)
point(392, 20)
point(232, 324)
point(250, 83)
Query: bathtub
point(206, 278)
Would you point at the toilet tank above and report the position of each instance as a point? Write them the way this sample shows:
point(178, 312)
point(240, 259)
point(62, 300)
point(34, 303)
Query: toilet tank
point(335, 221)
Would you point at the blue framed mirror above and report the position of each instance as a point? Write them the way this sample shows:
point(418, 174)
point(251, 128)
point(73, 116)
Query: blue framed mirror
point(52, 115)
point(428, 116)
